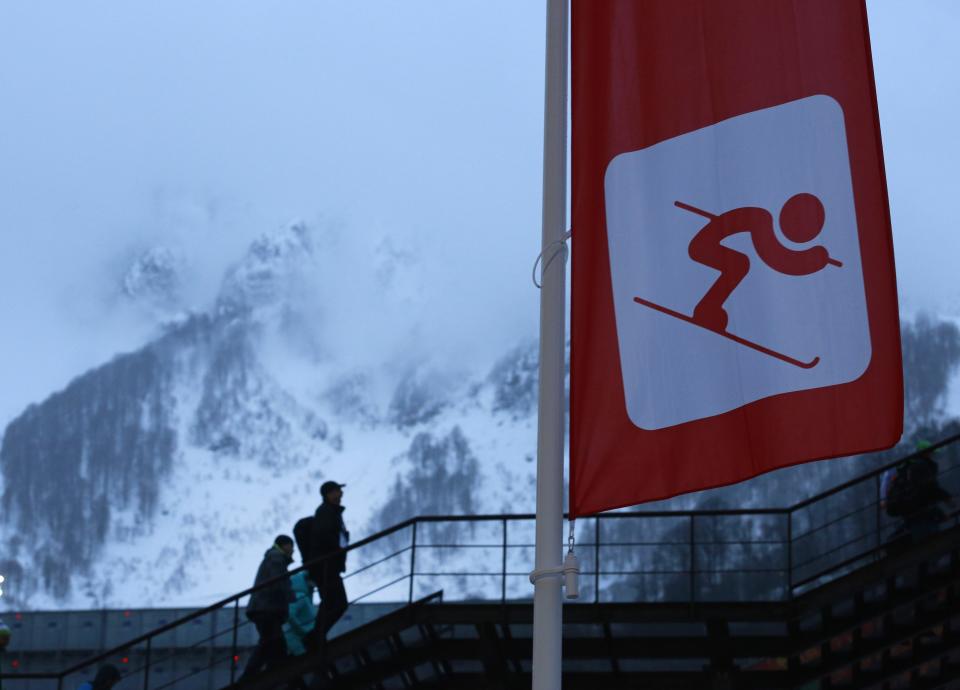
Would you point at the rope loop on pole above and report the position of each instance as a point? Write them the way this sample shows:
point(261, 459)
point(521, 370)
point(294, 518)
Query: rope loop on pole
point(544, 573)
point(557, 247)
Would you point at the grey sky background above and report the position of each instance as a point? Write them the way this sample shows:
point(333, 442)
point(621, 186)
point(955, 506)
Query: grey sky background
point(415, 123)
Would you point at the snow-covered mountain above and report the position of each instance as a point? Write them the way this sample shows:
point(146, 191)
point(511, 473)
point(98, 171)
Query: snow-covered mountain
point(154, 282)
point(158, 478)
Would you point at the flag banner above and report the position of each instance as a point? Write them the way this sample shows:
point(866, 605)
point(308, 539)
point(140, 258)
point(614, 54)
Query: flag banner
point(734, 300)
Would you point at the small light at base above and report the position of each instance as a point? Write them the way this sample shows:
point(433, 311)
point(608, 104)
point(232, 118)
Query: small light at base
point(125, 660)
point(236, 658)
point(15, 663)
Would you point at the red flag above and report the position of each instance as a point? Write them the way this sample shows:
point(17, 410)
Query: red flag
point(734, 296)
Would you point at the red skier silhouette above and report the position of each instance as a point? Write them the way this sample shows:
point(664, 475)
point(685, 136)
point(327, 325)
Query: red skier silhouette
point(801, 220)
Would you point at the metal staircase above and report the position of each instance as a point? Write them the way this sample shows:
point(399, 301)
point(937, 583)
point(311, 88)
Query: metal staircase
point(810, 596)
point(895, 621)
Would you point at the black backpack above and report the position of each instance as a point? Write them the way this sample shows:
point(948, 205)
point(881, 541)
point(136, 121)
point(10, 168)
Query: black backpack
point(303, 534)
point(898, 498)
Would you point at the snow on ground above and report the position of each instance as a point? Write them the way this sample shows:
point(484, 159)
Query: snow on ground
point(218, 514)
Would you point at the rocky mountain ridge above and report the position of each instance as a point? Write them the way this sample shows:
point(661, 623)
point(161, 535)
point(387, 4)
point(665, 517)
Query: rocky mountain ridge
point(166, 468)
point(157, 478)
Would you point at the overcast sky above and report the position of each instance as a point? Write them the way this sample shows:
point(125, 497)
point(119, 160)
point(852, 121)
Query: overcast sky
point(198, 125)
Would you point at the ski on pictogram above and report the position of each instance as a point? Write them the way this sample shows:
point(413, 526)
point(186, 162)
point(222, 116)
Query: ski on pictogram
point(726, 334)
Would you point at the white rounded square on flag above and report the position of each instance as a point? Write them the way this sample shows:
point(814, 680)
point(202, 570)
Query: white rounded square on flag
point(795, 323)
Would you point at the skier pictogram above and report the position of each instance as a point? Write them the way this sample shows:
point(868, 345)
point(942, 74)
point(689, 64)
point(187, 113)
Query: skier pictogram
point(801, 220)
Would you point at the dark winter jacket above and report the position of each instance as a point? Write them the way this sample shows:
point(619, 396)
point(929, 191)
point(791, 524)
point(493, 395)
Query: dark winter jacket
point(912, 491)
point(329, 535)
point(275, 599)
point(107, 676)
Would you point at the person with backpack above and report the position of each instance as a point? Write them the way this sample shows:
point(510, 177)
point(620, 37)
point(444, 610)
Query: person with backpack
point(269, 607)
point(912, 493)
point(328, 537)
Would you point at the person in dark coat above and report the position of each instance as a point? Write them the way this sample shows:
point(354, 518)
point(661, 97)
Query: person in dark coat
point(925, 497)
point(913, 493)
point(329, 537)
point(268, 607)
point(107, 676)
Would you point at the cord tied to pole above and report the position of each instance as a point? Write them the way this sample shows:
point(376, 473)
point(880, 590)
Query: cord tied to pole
point(571, 566)
point(552, 250)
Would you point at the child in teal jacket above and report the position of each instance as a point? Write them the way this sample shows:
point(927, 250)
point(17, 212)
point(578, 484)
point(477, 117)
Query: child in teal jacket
point(303, 613)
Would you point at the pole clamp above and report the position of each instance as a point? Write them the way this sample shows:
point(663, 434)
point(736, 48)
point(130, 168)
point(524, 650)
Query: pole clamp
point(569, 571)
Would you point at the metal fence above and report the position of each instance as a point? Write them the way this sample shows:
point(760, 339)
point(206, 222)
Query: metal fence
point(678, 556)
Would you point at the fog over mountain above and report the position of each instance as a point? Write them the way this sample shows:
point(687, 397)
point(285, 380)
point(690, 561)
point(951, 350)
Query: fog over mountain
point(181, 367)
point(416, 126)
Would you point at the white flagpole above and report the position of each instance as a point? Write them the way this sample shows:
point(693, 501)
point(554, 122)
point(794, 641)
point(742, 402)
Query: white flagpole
point(547, 601)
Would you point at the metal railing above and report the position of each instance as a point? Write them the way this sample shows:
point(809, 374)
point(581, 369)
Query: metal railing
point(688, 556)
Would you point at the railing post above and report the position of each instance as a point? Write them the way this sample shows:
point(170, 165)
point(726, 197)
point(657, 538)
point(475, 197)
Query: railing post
point(413, 561)
point(596, 560)
point(146, 665)
point(233, 648)
point(789, 554)
point(503, 576)
point(693, 560)
point(879, 518)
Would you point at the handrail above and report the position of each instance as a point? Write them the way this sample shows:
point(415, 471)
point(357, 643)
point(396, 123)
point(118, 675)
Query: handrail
point(503, 518)
point(376, 537)
point(874, 472)
point(236, 597)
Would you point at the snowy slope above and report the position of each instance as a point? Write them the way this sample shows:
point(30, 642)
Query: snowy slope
point(180, 462)
point(160, 477)
point(215, 515)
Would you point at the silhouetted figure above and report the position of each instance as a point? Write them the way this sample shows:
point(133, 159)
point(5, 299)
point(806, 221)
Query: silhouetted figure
point(801, 220)
point(268, 607)
point(107, 676)
point(912, 493)
point(329, 536)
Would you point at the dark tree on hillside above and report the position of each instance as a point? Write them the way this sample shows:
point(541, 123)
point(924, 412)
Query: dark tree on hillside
point(931, 354)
